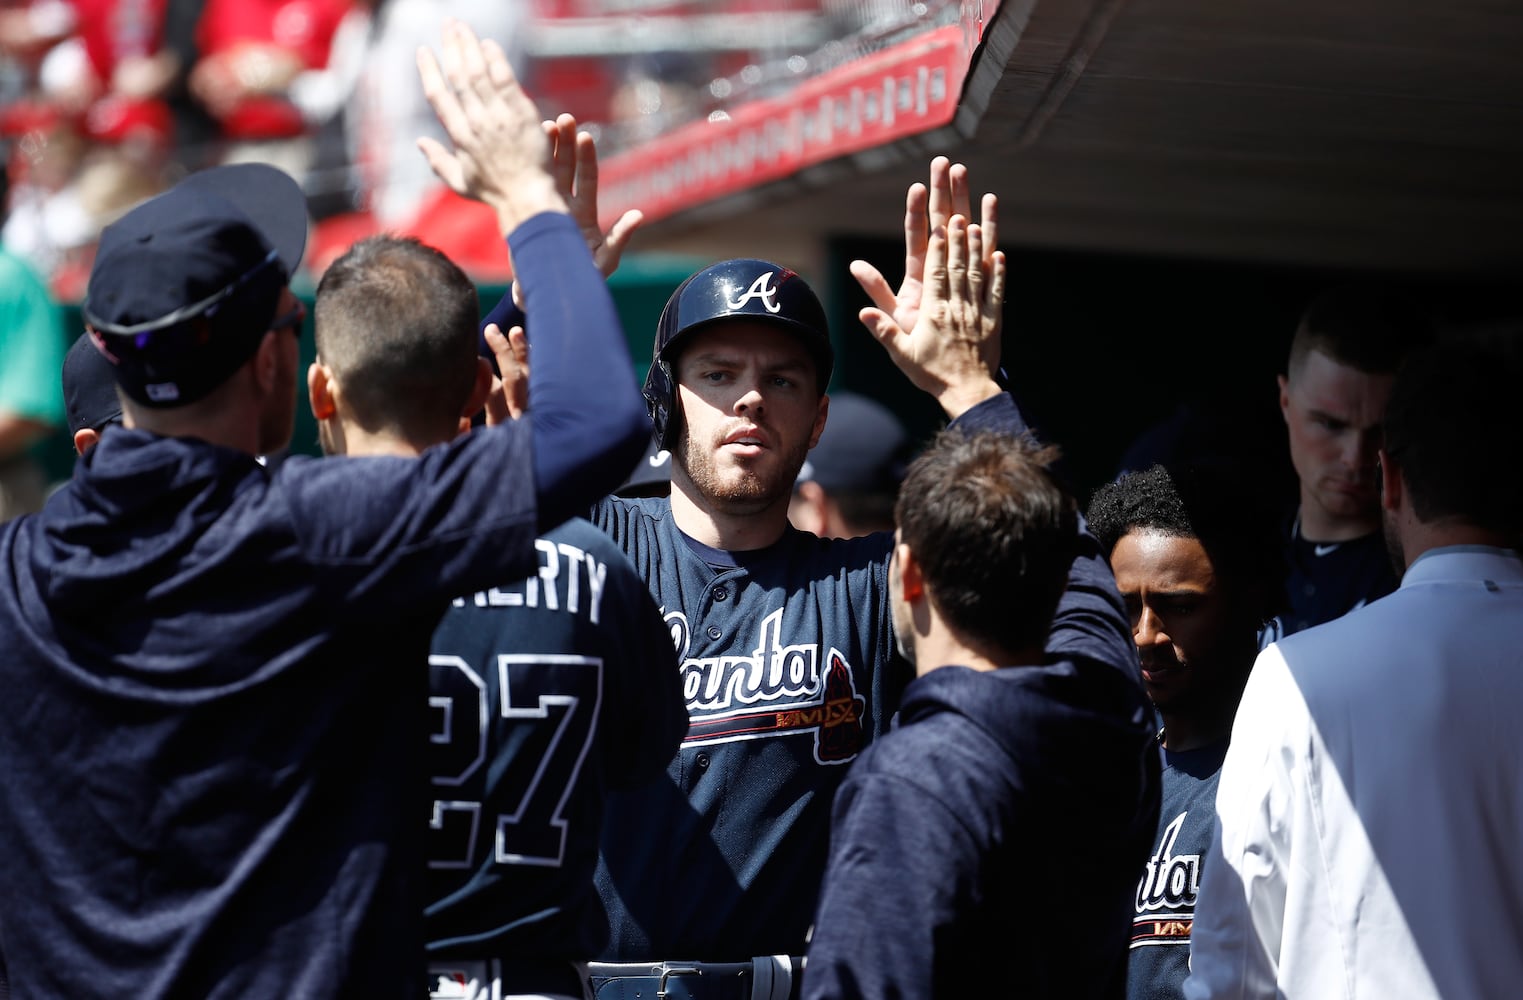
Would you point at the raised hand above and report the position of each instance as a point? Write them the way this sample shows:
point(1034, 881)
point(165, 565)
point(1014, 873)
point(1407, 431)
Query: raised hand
point(928, 210)
point(575, 158)
point(501, 155)
point(952, 350)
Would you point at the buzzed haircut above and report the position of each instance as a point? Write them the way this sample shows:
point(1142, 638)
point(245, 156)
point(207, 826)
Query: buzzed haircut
point(1216, 503)
point(1370, 328)
point(993, 531)
point(1454, 426)
point(396, 322)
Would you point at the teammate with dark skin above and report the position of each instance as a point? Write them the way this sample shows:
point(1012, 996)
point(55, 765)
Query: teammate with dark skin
point(1198, 568)
point(1199, 578)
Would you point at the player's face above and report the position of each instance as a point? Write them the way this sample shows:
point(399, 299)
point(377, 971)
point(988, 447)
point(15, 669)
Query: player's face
point(750, 413)
point(1181, 619)
point(1333, 414)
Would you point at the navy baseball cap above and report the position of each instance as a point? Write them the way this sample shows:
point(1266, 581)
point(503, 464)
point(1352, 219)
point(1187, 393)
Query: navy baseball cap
point(89, 387)
point(862, 449)
point(185, 285)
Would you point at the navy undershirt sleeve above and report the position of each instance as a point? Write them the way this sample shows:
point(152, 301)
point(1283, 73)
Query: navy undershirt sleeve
point(587, 420)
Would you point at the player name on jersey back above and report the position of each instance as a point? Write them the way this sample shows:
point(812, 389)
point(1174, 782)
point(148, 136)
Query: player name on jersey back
point(569, 579)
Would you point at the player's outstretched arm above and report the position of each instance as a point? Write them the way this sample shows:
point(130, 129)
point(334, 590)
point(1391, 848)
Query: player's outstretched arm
point(951, 350)
point(501, 155)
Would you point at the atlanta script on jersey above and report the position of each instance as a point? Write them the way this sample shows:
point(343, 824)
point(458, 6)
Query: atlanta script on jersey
point(1160, 950)
point(788, 671)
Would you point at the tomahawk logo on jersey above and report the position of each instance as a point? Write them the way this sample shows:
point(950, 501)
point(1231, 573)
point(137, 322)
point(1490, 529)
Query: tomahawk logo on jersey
point(774, 690)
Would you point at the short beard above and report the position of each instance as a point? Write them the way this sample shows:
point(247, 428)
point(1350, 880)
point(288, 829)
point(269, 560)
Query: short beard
point(750, 493)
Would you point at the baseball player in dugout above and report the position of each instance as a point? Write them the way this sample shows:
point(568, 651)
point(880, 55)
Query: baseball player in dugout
point(1198, 566)
point(1026, 716)
point(1343, 360)
point(216, 705)
point(785, 640)
point(544, 691)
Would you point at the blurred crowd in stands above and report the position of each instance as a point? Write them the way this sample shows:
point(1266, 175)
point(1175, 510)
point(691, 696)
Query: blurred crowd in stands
point(108, 101)
point(105, 102)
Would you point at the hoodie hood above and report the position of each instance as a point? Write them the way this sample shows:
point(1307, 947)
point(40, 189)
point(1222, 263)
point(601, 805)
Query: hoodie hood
point(147, 529)
point(138, 508)
point(1030, 709)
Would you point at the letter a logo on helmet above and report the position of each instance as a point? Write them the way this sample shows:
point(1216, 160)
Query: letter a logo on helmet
point(760, 289)
point(747, 289)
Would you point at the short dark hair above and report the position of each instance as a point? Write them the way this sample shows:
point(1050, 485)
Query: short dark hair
point(1367, 327)
point(396, 321)
point(1217, 504)
point(993, 531)
point(1454, 427)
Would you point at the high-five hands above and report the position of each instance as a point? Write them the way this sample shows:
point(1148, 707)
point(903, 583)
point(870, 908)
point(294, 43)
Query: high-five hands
point(942, 328)
point(501, 154)
point(575, 158)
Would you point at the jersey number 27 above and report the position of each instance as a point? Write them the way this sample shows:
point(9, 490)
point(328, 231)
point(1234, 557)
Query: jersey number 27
point(548, 706)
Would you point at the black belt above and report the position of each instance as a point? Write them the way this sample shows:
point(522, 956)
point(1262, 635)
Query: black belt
point(767, 978)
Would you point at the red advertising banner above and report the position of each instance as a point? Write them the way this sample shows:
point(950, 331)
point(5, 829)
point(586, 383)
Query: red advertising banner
point(904, 90)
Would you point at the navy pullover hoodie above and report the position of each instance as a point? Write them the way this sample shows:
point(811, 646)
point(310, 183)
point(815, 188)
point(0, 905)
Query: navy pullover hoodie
point(989, 845)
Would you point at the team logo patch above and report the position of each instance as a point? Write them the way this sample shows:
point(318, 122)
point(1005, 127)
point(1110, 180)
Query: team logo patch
point(774, 690)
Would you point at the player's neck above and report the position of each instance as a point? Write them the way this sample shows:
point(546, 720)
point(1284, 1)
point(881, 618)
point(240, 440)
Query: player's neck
point(1195, 729)
point(358, 442)
point(1212, 710)
point(732, 531)
point(1417, 537)
point(940, 646)
point(1317, 525)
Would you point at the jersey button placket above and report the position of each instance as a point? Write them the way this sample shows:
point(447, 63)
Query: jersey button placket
point(714, 632)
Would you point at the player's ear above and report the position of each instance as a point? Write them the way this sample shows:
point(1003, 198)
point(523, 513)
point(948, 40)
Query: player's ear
point(479, 392)
point(1284, 397)
point(267, 362)
point(84, 440)
point(321, 391)
point(477, 400)
point(911, 577)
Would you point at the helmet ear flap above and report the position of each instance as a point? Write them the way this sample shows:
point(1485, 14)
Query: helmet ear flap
point(661, 402)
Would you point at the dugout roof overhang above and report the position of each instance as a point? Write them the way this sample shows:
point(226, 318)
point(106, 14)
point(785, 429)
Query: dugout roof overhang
point(1357, 133)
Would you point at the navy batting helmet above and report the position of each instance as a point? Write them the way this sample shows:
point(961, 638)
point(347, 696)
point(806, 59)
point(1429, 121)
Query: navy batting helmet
point(732, 289)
